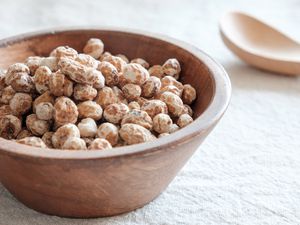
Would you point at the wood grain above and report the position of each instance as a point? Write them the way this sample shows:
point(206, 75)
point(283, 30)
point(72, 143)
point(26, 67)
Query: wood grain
point(105, 183)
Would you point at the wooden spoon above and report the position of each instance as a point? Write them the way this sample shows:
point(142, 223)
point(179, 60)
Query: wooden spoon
point(259, 44)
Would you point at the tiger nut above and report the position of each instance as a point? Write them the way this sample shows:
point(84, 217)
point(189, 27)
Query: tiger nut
point(94, 47)
point(87, 127)
point(64, 52)
point(173, 102)
point(135, 73)
point(22, 82)
point(24, 133)
point(10, 126)
point(20, 103)
point(156, 71)
point(47, 139)
point(162, 123)
point(65, 111)
point(154, 107)
point(36, 126)
point(110, 132)
point(105, 97)
point(63, 133)
point(184, 120)
point(109, 72)
point(139, 117)
point(84, 92)
point(42, 78)
point(99, 144)
point(32, 141)
point(13, 70)
point(7, 94)
point(151, 87)
point(74, 143)
point(134, 134)
point(131, 91)
point(60, 85)
point(134, 105)
point(115, 112)
point(117, 62)
point(45, 97)
point(188, 94)
point(90, 109)
point(44, 111)
point(168, 80)
point(87, 60)
point(172, 68)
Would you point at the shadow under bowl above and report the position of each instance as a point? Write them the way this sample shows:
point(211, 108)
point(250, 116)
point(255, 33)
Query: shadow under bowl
point(110, 182)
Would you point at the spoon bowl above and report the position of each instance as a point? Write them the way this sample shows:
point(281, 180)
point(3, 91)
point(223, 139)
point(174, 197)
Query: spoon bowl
point(259, 44)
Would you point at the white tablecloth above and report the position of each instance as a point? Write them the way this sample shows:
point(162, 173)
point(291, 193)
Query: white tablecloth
point(248, 170)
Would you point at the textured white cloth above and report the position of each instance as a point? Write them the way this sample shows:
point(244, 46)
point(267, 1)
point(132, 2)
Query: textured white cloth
point(248, 170)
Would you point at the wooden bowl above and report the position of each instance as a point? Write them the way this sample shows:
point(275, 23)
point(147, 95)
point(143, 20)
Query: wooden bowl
point(110, 182)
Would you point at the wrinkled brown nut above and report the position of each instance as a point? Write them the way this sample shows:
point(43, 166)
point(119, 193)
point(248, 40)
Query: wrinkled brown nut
point(151, 87)
point(64, 52)
point(114, 113)
point(162, 123)
point(44, 111)
point(74, 143)
point(78, 72)
point(168, 80)
point(117, 62)
point(99, 81)
point(87, 60)
point(36, 126)
point(156, 71)
point(10, 126)
point(154, 107)
point(120, 95)
point(188, 94)
point(5, 110)
point(104, 55)
point(87, 127)
point(21, 103)
point(47, 139)
point(7, 94)
point(187, 110)
point(41, 79)
point(170, 88)
point(173, 102)
point(140, 61)
point(32, 141)
point(46, 97)
point(139, 117)
point(110, 132)
point(94, 47)
point(141, 101)
point(172, 68)
point(134, 134)
point(23, 134)
point(90, 109)
point(124, 57)
point(184, 120)
point(84, 92)
point(14, 69)
point(22, 82)
point(65, 111)
point(131, 91)
point(33, 62)
point(109, 72)
point(60, 85)
point(105, 97)
point(50, 62)
point(122, 80)
point(135, 73)
point(99, 144)
point(163, 135)
point(134, 105)
point(174, 127)
point(63, 133)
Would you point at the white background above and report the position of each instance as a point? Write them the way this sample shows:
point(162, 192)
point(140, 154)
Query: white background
point(248, 170)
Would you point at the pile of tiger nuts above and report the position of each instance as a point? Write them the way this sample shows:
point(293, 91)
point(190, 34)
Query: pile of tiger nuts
point(92, 100)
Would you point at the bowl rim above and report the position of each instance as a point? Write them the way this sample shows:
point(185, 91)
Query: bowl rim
point(206, 121)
